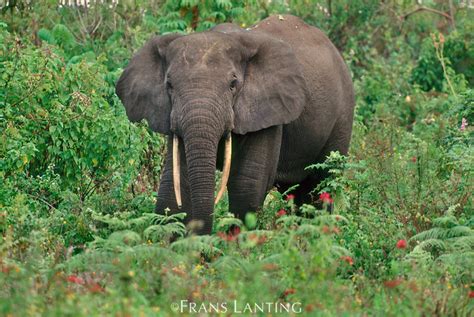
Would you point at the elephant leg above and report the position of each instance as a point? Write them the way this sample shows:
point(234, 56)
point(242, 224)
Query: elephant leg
point(338, 141)
point(166, 196)
point(303, 192)
point(253, 169)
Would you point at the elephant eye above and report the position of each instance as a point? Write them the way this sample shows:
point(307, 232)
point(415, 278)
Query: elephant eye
point(233, 84)
point(169, 86)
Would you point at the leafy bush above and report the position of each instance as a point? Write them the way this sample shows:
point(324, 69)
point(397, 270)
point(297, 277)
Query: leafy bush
point(428, 72)
point(65, 135)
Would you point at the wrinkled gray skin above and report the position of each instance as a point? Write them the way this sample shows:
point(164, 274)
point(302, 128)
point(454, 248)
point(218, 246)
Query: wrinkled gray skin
point(281, 88)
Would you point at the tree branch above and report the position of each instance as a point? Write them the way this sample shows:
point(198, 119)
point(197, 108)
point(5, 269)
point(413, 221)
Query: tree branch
point(419, 9)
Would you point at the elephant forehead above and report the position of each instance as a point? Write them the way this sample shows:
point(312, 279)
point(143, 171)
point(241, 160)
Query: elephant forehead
point(200, 49)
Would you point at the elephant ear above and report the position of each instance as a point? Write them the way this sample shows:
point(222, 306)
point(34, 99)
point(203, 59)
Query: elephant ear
point(274, 91)
point(141, 86)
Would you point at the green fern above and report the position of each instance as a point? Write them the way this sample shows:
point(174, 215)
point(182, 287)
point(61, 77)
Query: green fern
point(420, 256)
point(432, 244)
point(464, 243)
point(224, 4)
point(445, 228)
point(156, 232)
point(205, 245)
point(227, 222)
point(226, 263)
point(447, 246)
point(119, 240)
point(338, 251)
point(448, 221)
point(308, 230)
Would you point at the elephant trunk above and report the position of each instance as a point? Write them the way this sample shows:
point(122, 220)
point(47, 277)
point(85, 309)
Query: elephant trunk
point(201, 131)
point(177, 169)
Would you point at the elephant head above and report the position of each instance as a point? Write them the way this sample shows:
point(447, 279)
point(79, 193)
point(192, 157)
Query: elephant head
point(202, 87)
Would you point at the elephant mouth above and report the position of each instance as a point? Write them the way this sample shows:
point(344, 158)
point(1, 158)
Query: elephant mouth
point(177, 169)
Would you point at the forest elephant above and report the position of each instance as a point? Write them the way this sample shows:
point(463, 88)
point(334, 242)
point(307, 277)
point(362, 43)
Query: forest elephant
point(260, 104)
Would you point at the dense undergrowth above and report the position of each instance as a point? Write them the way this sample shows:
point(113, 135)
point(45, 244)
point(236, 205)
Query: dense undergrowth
point(78, 181)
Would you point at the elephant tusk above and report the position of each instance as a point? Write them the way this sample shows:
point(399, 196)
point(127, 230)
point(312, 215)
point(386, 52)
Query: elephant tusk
point(176, 171)
point(226, 169)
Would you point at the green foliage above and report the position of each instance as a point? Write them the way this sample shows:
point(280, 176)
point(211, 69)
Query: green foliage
point(65, 138)
point(191, 15)
point(447, 247)
point(78, 181)
point(428, 72)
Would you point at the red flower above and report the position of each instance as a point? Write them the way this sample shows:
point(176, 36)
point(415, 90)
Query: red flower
point(281, 213)
point(413, 159)
point(347, 259)
point(393, 283)
point(270, 267)
point(231, 236)
point(95, 287)
point(309, 308)
point(326, 230)
point(401, 244)
point(261, 239)
point(471, 294)
point(4, 268)
point(325, 198)
point(290, 197)
point(289, 291)
point(75, 279)
point(235, 231)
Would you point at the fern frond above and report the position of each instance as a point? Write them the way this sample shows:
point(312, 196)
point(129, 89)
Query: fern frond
point(118, 241)
point(289, 221)
point(419, 255)
point(226, 263)
point(157, 232)
point(259, 233)
point(466, 257)
point(460, 231)
point(433, 233)
point(224, 4)
point(226, 222)
point(330, 219)
point(308, 230)
point(202, 244)
point(432, 244)
point(464, 243)
point(445, 222)
point(338, 251)
point(113, 222)
point(126, 237)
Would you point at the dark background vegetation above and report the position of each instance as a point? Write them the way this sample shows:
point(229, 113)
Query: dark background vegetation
point(78, 181)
